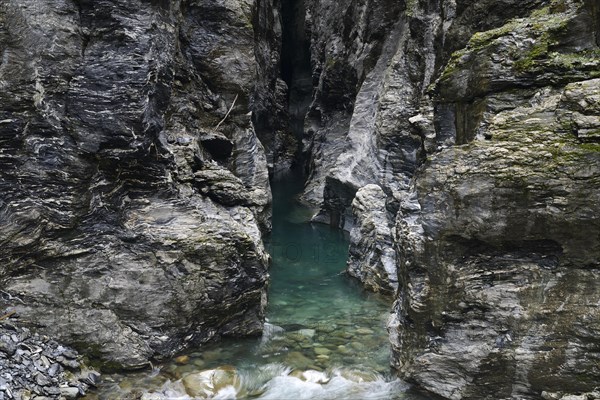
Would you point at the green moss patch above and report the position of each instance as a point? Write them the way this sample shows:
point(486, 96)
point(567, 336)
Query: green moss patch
point(590, 147)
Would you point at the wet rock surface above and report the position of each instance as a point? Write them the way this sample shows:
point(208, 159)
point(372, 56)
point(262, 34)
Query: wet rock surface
point(36, 367)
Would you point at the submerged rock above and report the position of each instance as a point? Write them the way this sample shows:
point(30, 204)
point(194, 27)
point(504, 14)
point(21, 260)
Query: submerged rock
point(206, 384)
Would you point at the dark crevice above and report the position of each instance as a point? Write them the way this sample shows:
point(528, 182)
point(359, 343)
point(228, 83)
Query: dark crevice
point(546, 253)
point(295, 52)
point(296, 67)
point(84, 32)
point(468, 117)
point(596, 17)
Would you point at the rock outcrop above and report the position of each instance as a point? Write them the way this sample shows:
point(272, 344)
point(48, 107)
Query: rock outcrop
point(503, 260)
point(133, 187)
point(499, 265)
point(374, 62)
point(372, 257)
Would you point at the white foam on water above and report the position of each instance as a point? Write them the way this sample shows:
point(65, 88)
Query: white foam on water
point(289, 387)
point(315, 376)
point(274, 382)
point(337, 388)
point(227, 393)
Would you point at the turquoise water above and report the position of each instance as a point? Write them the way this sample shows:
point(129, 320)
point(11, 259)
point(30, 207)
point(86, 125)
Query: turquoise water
point(325, 337)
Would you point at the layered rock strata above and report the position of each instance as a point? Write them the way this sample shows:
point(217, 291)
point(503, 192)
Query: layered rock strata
point(499, 254)
point(133, 187)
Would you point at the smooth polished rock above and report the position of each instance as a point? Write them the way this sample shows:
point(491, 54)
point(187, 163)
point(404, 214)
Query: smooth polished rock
point(372, 258)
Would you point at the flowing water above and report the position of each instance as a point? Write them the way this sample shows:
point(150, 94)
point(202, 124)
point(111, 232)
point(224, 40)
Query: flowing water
point(325, 337)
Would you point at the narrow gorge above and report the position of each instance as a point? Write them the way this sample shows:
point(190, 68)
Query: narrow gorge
point(281, 199)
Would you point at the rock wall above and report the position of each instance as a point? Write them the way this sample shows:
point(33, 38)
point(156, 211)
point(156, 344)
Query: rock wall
point(270, 108)
point(499, 256)
point(464, 135)
point(133, 187)
point(372, 257)
point(371, 120)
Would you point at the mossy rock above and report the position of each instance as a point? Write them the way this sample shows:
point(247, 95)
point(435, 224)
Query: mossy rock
point(525, 52)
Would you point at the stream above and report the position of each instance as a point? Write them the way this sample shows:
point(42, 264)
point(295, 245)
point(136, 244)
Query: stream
point(325, 337)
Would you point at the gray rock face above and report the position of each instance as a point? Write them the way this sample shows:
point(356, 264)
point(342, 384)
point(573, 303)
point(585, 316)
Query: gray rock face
point(499, 255)
point(130, 224)
point(371, 120)
point(349, 59)
point(372, 258)
point(373, 63)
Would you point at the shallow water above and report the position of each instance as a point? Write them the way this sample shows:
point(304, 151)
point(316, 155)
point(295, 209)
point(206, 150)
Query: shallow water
point(325, 337)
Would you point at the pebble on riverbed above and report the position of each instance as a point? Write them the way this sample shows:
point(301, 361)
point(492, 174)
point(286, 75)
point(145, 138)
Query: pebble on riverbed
point(36, 367)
